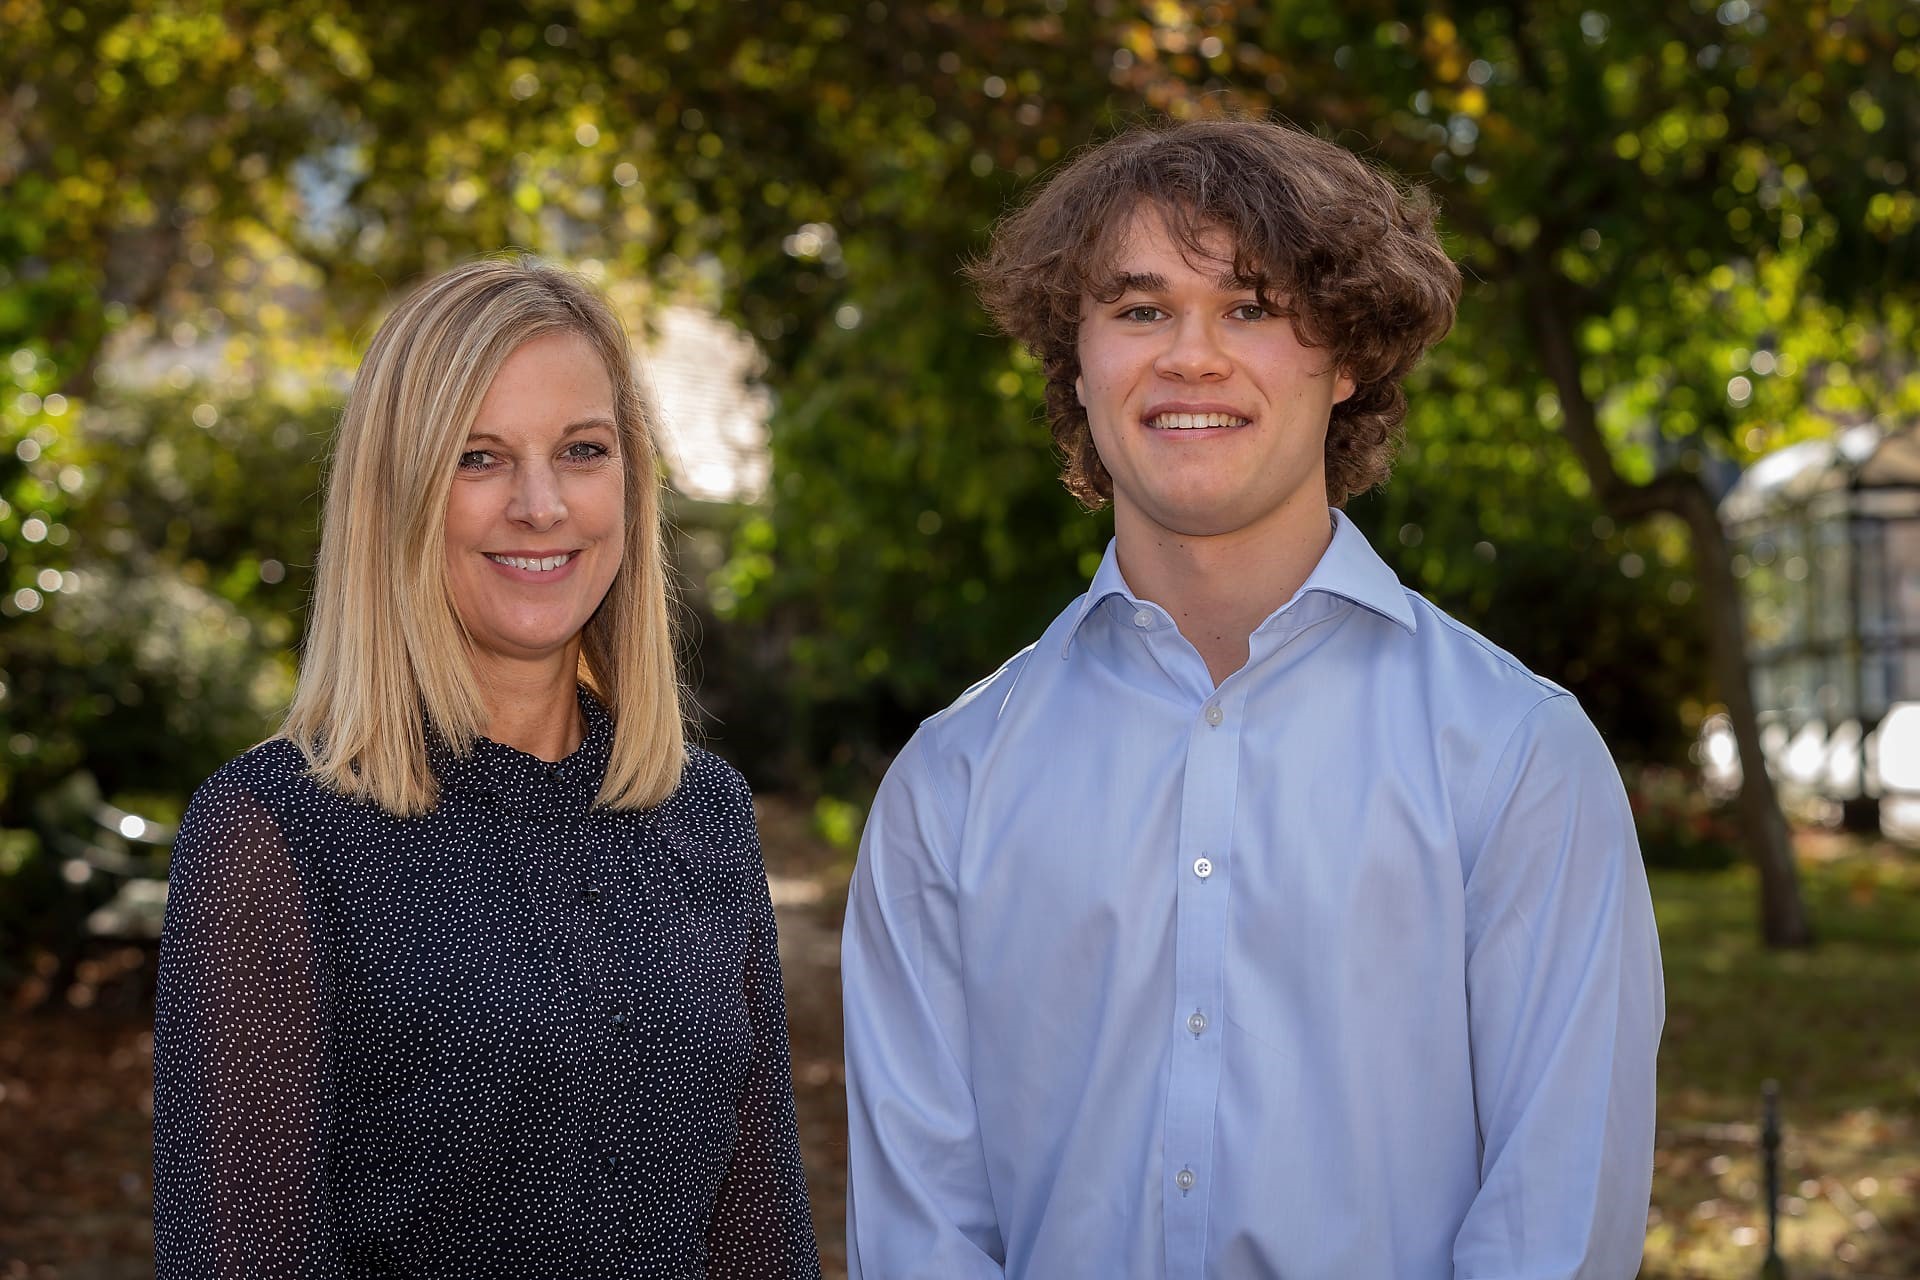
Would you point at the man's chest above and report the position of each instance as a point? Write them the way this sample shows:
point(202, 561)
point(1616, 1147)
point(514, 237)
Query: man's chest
point(1269, 870)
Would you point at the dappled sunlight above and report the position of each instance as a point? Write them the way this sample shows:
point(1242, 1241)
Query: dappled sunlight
point(1834, 1025)
point(1689, 232)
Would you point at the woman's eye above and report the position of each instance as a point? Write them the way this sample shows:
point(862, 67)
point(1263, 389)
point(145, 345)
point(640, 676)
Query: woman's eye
point(586, 451)
point(475, 460)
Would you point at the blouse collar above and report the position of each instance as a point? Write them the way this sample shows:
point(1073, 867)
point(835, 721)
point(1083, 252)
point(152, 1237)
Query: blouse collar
point(495, 768)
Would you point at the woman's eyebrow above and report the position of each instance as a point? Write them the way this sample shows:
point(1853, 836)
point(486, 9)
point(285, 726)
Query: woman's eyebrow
point(572, 428)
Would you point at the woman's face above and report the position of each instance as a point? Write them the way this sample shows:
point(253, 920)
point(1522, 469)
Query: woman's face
point(536, 521)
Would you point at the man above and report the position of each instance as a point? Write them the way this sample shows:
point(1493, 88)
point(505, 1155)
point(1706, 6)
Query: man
point(1259, 920)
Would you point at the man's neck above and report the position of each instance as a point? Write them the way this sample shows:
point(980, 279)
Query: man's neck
point(1218, 589)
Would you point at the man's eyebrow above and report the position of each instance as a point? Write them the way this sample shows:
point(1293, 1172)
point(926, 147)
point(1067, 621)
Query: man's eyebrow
point(572, 428)
point(1138, 282)
point(1152, 282)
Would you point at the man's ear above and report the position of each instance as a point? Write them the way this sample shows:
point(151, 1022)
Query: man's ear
point(1342, 387)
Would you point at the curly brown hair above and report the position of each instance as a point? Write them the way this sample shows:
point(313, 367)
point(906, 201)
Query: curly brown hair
point(1347, 252)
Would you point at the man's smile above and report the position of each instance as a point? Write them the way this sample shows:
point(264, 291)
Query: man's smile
point(1195, 421)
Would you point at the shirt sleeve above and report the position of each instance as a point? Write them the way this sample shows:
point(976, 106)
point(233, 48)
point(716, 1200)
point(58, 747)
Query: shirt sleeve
point(1565, 1005)
point(918, 1201)
point(241, 1070)
point(761, 1216)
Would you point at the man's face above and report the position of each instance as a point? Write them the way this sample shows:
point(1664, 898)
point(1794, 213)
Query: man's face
point(1208, 412)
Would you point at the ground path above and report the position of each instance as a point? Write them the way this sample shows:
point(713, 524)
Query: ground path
point(76, 1072)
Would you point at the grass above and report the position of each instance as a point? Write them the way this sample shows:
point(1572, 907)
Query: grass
point(1838, 1026)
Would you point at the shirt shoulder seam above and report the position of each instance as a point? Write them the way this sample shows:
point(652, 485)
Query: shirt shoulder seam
point(1488, 647)
point(950, 820)
point(1480, 823)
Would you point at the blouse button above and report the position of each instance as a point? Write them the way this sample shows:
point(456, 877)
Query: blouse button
point(620, 1018)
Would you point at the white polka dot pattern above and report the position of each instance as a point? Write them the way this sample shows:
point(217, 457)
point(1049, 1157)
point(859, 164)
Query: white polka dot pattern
point(522, 1035)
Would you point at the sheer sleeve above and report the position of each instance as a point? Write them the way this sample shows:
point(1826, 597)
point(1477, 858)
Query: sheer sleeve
point(241, 1070)
point(762, 1225)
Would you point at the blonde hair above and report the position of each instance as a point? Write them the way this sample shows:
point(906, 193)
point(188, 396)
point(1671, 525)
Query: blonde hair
point(386, 655)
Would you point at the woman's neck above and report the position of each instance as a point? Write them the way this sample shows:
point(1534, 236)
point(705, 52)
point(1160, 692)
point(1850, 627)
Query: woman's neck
point(535, 709)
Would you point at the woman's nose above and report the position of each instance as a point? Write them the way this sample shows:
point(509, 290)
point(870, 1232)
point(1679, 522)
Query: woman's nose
point(537, 500)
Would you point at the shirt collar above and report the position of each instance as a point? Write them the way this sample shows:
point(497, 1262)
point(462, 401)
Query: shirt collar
point(1349, 568)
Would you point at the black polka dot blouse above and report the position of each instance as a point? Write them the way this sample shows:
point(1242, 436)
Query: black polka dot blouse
point(519, 1036)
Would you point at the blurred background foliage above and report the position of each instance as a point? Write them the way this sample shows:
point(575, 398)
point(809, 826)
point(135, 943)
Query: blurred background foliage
point(1689, 233)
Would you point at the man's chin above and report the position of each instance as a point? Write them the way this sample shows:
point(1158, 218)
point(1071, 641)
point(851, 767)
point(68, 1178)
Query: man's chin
point(1199, 518)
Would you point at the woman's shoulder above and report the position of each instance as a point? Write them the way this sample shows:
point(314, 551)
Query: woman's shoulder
point(268, 783)
point(245, 853)
point(269, 768)
point(708, 777)
point(712, 799)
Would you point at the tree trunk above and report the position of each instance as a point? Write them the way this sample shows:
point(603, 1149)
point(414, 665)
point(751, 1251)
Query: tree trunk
point(1783, 913)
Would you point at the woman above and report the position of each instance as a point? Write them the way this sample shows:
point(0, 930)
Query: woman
point(471, 970)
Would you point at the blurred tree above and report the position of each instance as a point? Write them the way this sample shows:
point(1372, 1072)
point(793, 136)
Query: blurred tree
point(1648, 204)
point(1662, 213)
point(144, 149)
point(1690, 232)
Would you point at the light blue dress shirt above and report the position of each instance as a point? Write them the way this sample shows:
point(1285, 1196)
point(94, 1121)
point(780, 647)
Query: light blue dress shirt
point(1344, 968)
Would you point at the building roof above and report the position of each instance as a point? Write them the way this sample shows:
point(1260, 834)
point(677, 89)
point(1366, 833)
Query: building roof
point(1861, 457)
point(713, 412)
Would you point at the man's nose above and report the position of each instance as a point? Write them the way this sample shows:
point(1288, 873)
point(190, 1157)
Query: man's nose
point(1193, 351)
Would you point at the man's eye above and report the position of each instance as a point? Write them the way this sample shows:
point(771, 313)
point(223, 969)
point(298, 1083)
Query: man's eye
point(1250, 311)
point(1142, 314)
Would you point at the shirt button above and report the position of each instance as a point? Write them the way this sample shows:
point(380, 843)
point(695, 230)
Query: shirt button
point(1202, 867)
point(1214, 714)
point(1197, 1023)
point(1184, 1180)
point(1142, 619)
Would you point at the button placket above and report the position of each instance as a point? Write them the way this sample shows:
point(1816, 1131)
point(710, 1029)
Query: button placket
point(1208, 799)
